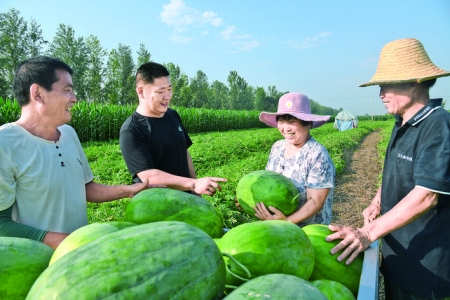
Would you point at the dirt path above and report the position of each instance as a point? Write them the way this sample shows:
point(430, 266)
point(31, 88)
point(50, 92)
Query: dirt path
point(356, 187)
point(358, 184)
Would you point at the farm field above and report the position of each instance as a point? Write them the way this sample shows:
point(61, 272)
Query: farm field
point(231, 155)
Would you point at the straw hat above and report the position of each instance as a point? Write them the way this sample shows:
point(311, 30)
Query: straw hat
point(404, 60)
point(296, 105)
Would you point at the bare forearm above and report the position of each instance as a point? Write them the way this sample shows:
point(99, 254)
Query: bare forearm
point(96, 192)
point(314, 203)
point(53, 239)
point(156, 176)
point(410, 208)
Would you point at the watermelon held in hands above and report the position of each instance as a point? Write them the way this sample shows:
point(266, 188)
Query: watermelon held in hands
point(86, 234)
point(266, 247)
point(271, 188)
point(277, 286)
point(159, 260)
point(333, 289)
point(326, 265)
point(164, 204)
point(21, 262)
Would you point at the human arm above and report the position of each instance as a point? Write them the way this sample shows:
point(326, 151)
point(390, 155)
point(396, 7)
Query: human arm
point(355, 240)
point(315, 199)
point(205, 185)
point(10, 228)
point(96, 192)
point(374, 209)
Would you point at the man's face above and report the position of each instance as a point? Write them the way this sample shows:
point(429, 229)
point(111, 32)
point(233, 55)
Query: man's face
point(58, 102)
point(156, 95)
point(397, 97)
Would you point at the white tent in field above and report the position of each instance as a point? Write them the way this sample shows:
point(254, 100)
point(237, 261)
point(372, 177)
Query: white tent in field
point(345, 121)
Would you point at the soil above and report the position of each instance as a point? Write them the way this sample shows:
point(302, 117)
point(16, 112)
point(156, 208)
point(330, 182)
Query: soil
point(357, 185)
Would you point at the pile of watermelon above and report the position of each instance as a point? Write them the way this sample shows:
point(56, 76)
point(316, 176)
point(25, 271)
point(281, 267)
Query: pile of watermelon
point(172, 245)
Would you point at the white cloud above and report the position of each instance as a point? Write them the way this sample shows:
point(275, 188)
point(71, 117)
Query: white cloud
point(310, 42)
point(243, 42)
point(183, 17)
point(188, 22)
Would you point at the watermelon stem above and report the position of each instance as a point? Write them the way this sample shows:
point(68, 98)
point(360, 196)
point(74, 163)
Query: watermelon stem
point(249, 275)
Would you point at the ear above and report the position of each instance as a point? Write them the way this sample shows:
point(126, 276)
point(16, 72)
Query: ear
point(140, 91)
point(35, 93)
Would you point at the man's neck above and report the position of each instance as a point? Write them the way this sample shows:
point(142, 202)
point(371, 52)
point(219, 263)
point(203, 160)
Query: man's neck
point(39, 129)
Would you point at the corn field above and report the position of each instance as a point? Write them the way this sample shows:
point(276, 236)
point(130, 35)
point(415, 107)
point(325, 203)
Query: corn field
point(99, 122)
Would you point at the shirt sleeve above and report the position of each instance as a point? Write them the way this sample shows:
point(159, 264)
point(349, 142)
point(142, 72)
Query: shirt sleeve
point(322, 172)
point(432, 165)
point(10, 228)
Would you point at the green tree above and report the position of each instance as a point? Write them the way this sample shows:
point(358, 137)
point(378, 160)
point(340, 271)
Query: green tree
point(181, 93)
point(143, 55)
point(218, 95)
point(199, 87)
point(73, 51)
point(18, 41)
point(95, 72)
point(241, 94)
point(120, 81)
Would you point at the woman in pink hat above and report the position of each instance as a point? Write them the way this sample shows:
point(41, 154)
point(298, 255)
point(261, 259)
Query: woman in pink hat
point(302, 159)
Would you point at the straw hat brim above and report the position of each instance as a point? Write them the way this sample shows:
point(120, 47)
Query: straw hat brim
point(403, 61)
point(271, 118)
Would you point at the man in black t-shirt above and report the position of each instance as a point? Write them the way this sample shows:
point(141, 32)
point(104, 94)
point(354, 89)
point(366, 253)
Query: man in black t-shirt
point(153, 140)
point(411, 210)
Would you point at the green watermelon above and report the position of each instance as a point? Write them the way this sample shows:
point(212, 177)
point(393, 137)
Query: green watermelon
point(277, 286)
point(164, 204)
point(86, 234)
point(21, 262)
point(271, 188)
point(266, 247)
point(159, 260)
point(326, 265)
point(333, 289)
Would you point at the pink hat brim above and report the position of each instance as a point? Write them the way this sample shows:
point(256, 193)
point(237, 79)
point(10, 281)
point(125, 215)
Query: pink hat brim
point(271, 118)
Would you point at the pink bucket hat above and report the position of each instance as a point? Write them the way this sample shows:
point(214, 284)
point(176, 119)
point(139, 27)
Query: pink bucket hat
point(296, 105)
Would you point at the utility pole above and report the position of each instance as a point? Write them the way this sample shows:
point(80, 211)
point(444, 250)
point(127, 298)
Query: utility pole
point(372, 107)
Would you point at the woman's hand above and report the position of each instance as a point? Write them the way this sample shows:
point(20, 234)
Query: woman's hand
point(263, 214)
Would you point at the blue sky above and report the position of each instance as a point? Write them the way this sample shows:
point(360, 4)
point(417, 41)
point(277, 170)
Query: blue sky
point(321, 48)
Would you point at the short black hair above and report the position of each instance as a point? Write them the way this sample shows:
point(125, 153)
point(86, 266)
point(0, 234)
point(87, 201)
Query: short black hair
point(289, 117)
point(40, 70)
point(149, 71)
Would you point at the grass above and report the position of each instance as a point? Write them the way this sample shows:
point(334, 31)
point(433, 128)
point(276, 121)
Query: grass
point(230, 154)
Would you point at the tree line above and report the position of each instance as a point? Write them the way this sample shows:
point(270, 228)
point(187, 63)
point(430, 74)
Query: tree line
point(107, 77)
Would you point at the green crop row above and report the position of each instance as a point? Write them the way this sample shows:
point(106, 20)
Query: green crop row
point(230, 154)
point(98, 122)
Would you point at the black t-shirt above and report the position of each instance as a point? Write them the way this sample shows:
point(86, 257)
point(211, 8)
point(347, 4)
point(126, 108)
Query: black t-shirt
point(416, 257)
point(155, 143)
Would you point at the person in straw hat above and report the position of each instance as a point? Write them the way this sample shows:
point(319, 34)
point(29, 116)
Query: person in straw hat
point(302, 159)
point(411, 210)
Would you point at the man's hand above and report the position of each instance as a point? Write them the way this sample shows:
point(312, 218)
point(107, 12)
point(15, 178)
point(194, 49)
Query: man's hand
point(208, 185)
point(371, 212)
point(354, 241)
point(263, 214)
point(137, 187)
point(53, 239)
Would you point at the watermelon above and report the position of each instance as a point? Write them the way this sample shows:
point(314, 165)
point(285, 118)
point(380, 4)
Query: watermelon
point(326, 265)
point(159, 260)
point(21, 262)
point(333, 289)
point(277, 286)
point(164, 204)
point(271, 188)
point(266, 247)
point(86, 234)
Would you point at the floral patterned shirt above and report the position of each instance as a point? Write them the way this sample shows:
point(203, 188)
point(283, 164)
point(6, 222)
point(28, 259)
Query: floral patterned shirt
point(310, 167)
